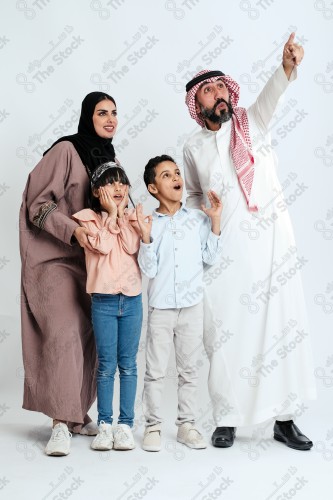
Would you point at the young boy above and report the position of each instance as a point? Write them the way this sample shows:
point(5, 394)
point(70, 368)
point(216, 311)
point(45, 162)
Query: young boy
point(175, 242)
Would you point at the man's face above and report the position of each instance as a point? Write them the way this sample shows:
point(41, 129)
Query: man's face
point(212, 103)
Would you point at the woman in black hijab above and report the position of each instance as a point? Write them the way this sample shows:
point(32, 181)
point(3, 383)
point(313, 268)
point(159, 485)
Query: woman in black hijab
point(93, 149)
point(58, 346)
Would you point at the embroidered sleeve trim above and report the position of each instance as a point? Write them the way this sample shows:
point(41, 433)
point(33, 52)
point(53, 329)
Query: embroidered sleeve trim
point(43, 212)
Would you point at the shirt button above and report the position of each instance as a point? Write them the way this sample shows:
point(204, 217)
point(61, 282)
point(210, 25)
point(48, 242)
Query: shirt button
point(176, 248)
point(176, 265)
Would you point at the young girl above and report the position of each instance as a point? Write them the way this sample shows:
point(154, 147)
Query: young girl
point(114, 282)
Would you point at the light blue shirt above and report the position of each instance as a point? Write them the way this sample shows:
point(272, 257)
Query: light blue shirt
point(173, 261)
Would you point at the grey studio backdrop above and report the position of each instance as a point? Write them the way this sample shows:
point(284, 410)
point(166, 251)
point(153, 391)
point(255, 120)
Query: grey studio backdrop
point(52, 53)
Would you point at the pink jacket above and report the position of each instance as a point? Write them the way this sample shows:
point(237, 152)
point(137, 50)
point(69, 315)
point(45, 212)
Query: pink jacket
point(113, 268)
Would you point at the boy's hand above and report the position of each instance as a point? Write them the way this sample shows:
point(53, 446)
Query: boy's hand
point(107, 202)
point(216, 205)
point(123, 204)
point(145, 223)
point(214, 212)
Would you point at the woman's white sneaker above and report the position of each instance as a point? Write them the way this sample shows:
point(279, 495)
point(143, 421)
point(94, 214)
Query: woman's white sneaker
point(104, 439)
point(60, 441)
point(123, 437)
point(90, 429)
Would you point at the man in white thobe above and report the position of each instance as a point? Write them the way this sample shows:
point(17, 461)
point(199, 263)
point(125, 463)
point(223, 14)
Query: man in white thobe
point(256, 334)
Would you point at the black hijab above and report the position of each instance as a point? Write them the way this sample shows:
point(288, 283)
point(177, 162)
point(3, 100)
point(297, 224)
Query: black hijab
point(92, 149)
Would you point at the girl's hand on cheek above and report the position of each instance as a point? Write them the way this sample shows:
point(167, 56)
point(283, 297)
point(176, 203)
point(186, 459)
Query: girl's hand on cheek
point(107, 202)
point(124, 202)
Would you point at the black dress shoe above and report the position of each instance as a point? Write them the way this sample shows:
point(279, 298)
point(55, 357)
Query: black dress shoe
point(223, 437)
point(289, 434)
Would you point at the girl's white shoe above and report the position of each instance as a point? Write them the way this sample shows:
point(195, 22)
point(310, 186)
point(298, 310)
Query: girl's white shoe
point(123, 437)
point(104, 439)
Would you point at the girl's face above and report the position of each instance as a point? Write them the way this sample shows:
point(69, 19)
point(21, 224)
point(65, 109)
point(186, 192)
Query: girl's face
point(117, 190)
point(105, 119)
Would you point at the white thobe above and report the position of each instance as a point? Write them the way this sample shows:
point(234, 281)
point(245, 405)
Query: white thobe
point(256, 333)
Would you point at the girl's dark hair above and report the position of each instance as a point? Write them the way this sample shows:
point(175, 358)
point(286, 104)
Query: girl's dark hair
point(110, 175)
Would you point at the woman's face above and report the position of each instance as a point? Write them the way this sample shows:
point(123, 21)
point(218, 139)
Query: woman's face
point(105, 119)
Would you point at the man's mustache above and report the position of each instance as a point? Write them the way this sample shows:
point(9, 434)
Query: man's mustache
point(219, 101)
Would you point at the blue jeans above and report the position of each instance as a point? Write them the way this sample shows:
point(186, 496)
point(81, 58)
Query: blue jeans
point(117, 321)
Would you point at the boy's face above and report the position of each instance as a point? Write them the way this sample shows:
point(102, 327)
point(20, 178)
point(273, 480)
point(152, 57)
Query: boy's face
point(168, 184)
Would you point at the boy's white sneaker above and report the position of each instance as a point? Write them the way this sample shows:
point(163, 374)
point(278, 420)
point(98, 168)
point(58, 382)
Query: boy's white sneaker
point(60, 441)
point(104, 439)
point(123, 437)
point(190, 436)
point(152, 438)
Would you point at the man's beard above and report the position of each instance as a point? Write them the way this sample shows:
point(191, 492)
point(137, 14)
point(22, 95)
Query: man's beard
point(222, 116)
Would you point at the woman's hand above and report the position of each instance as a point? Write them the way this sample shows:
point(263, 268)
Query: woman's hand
point(81, 234)
point(145, 223)
point(107, 202)
point(123, 204)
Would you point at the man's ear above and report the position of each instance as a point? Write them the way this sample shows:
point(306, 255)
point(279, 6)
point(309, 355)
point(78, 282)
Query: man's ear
point(197, 107)
point(152, 188)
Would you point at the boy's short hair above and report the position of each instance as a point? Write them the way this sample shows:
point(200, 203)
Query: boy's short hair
point(150, 172)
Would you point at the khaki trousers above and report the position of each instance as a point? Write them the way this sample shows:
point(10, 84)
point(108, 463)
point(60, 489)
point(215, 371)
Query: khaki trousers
point(183, 328)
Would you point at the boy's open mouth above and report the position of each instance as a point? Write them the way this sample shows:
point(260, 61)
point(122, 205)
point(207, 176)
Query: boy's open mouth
point(118, 197)
point(177, 187)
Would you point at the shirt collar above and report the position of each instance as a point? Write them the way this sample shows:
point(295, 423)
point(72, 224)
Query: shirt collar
point(179, 213)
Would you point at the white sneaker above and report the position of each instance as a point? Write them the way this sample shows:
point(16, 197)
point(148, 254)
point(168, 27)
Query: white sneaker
point(190, 436)
point(90, 429)
point(152, 438)
point(60, 441)
point(104, 439)
point(123, 437)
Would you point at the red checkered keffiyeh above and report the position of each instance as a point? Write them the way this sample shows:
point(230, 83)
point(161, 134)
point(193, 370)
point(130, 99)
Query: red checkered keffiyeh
point(240, 142)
